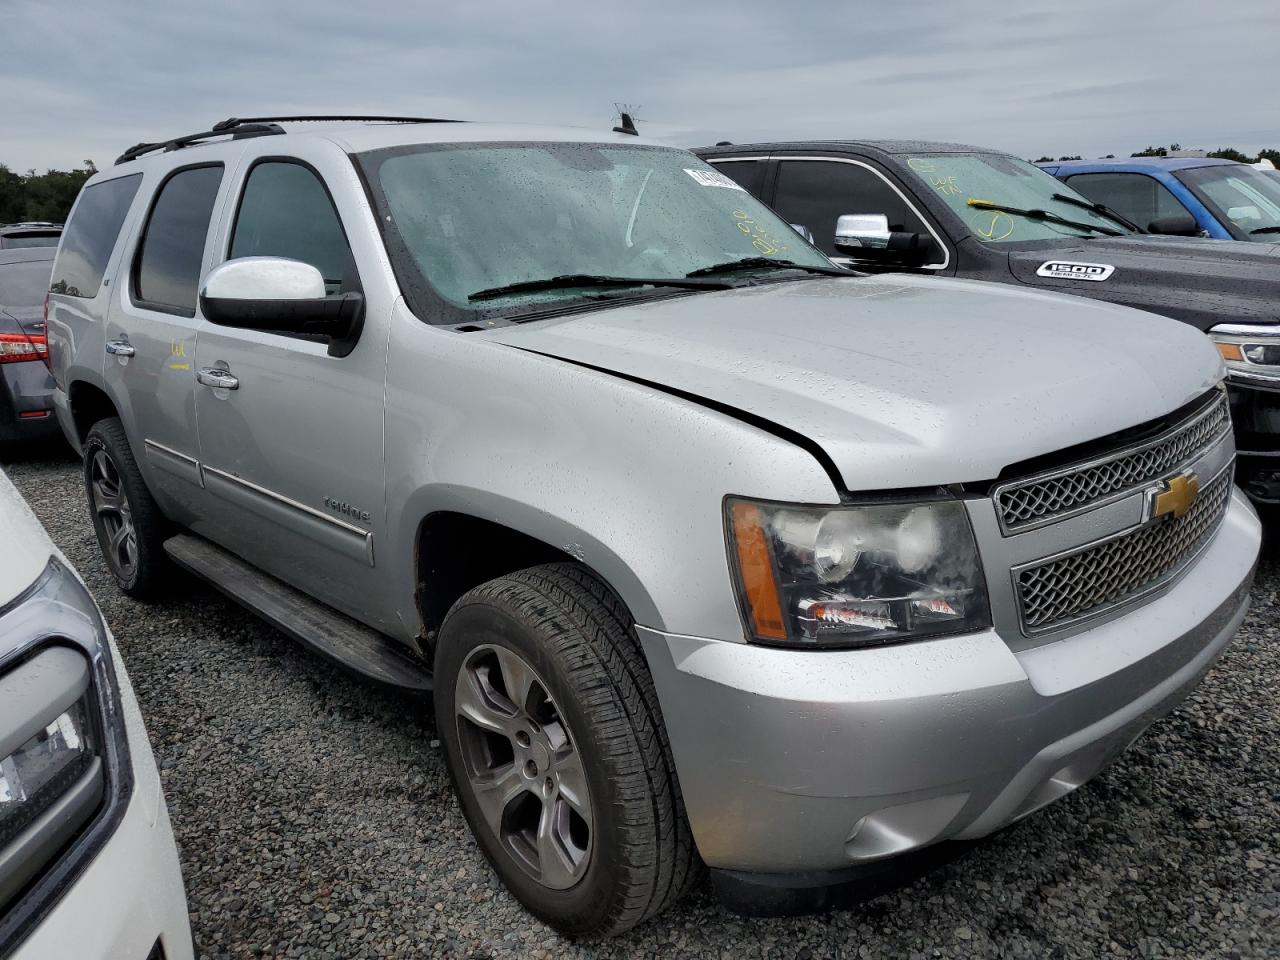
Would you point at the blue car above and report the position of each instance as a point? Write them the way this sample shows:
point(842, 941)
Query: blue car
point(1189, 196)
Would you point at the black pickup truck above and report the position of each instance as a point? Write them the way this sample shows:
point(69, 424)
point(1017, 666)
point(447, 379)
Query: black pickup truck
point(977, 213)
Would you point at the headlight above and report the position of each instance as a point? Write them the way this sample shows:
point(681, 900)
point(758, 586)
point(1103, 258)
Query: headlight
point(855, 575)
point(65, 776)
point(1251, 352)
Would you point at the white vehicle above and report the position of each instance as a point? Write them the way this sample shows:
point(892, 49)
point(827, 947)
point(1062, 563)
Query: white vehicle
point(88, 866)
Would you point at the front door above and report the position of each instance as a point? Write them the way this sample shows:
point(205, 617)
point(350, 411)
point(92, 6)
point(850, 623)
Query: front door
point(291, 436)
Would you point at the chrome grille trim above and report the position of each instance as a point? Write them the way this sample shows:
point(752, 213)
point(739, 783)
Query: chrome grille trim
point(1093, 579)
point(1031, 502)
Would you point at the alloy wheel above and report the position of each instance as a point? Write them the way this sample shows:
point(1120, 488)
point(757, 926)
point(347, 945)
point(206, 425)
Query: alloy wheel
point(111, 505)
point(523, 766)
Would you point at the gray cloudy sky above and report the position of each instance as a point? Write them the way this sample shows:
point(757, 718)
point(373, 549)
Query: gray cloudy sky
point(86, 79)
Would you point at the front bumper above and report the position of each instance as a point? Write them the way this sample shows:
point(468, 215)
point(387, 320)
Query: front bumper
point(1255, 412)
point(128, 899)
point(794, 761)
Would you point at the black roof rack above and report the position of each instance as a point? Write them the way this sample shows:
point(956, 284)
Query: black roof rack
point(240, 127)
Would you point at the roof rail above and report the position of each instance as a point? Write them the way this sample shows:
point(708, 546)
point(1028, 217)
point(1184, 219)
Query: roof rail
point(177, 143)
point(240, 127)
point(234, 122)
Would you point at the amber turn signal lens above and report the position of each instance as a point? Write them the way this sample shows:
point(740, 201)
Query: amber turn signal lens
point(1230, 351)
point(758, 581)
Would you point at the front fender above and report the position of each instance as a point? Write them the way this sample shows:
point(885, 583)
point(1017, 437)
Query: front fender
point(627, 478)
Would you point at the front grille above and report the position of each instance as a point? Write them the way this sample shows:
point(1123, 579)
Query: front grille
point(1036, 500)
point(1121, 568)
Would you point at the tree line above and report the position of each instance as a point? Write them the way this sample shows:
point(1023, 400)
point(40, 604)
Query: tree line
point(40, 196)
point(1226, 153)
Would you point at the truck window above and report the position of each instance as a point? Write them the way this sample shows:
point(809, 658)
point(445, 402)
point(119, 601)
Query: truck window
point(1133, 195)
point(285, 211)
point(166, 271)
point(748, 173)
point(816, 193)
point(91, 236)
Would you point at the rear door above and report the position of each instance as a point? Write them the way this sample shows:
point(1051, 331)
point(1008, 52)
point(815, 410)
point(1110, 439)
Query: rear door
point(151, 331)
point(292, 454)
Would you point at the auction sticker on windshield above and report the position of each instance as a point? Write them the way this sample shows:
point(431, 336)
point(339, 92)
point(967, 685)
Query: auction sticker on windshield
point(713, 178)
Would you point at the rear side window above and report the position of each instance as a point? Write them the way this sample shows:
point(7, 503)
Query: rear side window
point(286, 212)
point(91, 236)
point(747, 173)
point(1133, 195)
point(166, 268)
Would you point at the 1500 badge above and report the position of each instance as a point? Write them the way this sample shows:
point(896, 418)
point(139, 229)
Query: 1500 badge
point(1074, 270)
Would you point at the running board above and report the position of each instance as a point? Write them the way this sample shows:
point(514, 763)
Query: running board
point(350, 644)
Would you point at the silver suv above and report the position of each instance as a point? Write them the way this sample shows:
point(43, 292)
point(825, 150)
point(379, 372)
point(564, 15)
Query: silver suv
point(710, 552)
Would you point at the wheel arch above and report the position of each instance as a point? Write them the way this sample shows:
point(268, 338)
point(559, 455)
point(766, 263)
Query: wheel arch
point(455, 546)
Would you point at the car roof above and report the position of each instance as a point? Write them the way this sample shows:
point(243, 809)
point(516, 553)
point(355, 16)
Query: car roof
point(358, 137)
point(26, 254)
point(1142, 163)
point(865, 146)
point(10, 229)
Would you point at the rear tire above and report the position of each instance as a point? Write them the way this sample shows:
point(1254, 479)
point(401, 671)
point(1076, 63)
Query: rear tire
point(616, 837)
point(130, 527)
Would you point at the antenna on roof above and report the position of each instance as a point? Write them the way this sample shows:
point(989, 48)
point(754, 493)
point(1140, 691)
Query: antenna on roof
point(626, 115)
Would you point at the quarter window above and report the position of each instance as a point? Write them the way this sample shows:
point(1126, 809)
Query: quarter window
point(1133, 195)
point(285, 211)
point(167, 266)
point(91, 236)
point(815, 193)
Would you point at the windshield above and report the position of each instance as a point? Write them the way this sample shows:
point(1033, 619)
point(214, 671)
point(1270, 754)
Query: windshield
point(24, 284)
point(1007, 182)
point(1244, 199)
point(465, 219)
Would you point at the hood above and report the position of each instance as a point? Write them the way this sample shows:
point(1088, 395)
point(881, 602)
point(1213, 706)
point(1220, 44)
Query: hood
point(1202, 282)
point(904, 381)
point(27, 546)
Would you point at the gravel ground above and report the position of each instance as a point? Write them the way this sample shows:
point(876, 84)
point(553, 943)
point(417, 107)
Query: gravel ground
point(315, 817)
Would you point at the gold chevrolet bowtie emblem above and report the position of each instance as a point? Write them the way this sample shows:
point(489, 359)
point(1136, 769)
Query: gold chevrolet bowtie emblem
point(1179, 494)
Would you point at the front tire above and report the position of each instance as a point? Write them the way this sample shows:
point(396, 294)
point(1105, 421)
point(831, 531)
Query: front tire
point(130, 527)
point(555, 745)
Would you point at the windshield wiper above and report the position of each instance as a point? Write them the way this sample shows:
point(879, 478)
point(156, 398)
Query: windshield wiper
point(569, 280)
point(757, 263)
point(1101, 209)
point(1264, 230)
point(1042, 215)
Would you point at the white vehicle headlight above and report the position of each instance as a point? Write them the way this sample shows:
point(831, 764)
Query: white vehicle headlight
point(855, 575)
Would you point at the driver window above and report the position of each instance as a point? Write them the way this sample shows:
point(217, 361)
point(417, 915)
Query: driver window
point(816, 193)
point(285, 211)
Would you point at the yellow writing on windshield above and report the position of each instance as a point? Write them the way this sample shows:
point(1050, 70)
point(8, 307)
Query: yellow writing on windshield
point(761, 239)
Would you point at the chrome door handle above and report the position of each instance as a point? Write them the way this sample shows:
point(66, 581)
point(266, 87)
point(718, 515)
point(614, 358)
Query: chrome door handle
point(217, 377)
point(120, 348)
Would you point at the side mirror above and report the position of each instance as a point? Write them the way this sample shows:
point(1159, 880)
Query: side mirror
point(1179, 225)
point(857, 231)
point(284, 296)
point(866, 236)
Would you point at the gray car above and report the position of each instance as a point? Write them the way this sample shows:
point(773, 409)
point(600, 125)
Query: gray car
point(26, 385)
point(710, 553)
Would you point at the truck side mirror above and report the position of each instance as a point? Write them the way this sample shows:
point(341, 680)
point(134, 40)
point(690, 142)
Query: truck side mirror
point(281, 295)
point(866, 236)
point(1179, 225)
